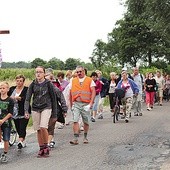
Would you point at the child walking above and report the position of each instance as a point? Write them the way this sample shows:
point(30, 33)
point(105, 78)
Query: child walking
point(6, 112)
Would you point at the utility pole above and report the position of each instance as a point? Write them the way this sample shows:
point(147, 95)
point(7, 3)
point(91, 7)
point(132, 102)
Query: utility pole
point(2, 32)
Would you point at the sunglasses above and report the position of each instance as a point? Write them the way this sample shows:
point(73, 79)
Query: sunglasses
point(79, 71)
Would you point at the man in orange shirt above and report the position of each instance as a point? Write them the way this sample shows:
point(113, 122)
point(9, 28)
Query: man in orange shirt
point(82, 94)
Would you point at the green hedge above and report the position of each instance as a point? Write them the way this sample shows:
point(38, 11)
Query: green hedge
point(10, 74)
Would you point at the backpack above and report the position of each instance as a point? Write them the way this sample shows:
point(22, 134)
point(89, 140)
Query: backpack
point(120, 93)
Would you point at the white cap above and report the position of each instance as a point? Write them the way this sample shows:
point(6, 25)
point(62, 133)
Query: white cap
point(124, 69)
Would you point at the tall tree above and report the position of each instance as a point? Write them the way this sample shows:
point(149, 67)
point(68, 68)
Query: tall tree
point(139, 36)
point(99, 55)
point(71, 63)
point(156, 16)
point(38, 62)
point(56, 64)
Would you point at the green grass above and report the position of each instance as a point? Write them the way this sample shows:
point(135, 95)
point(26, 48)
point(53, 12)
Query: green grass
point(106, 101)
point(30, 122)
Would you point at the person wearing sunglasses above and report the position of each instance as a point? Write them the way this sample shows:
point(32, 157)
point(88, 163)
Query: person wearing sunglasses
point(82, 94)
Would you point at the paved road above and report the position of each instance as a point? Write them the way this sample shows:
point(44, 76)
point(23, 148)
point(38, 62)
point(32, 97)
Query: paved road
point(142, 144)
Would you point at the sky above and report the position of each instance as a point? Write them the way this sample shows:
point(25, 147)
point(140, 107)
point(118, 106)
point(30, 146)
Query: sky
point(55, 28)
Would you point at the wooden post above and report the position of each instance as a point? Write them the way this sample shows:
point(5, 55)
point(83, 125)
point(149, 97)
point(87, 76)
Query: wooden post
point(3, 32)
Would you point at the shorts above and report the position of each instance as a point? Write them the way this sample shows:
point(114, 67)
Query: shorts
point(6, 131)
point(160, 92)
point(51, 126)
point(41, 119)
point(100, 104)
point(78, 111)
point(96, 102)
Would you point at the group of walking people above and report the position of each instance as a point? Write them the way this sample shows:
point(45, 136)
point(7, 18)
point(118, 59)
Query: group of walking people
point(49, 100)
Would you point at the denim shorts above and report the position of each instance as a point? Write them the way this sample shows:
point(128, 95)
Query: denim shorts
point(6, 131)
point(96, 102)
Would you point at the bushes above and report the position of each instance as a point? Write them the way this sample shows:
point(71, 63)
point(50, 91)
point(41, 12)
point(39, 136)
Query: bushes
point(10, 74)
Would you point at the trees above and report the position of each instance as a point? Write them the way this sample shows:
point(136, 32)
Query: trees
point(20, 64)
point(156, 17)
point(99, 54)
point(38, 62)
point(71, 63)
point(56, 64)
point(142, 35)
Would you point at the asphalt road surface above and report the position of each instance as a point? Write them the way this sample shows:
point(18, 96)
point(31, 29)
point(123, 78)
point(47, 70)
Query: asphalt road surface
point(141, 144)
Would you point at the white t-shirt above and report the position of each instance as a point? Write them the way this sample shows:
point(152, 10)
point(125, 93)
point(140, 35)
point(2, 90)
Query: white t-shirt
point(81, 81)
point(129, 91)
point(112, 87)
point(160, 81)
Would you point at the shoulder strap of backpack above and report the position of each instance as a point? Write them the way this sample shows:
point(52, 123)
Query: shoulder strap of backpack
point(32, 86)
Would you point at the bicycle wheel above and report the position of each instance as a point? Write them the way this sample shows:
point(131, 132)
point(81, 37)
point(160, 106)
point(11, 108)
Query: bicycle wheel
point(116, 113)
point(13, 135)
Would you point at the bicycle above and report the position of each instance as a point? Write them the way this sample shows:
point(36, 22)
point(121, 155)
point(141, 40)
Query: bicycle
point(119, 94)
point(13, 134)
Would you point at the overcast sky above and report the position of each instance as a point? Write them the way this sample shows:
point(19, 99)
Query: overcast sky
point(55, 28)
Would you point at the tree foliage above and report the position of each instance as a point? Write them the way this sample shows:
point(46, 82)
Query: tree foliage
point(38, 62)
point(20, 64)
point(56, 64)
point(142, 35)
point(71, 63)
point(99, 54)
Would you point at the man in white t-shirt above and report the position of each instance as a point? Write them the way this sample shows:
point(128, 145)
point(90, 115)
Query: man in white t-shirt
point(161, 85)
point(138, 79)
point(82, 94)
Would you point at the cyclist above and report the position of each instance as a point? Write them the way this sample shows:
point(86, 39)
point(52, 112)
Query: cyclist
point(111, 90)
point(131, 89)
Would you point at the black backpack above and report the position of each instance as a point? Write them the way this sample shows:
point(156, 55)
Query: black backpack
point(120, 93)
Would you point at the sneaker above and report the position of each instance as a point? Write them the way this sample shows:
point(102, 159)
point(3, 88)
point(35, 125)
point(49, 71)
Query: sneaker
point(61, 126)
point(40, 153)
point(122, 116)
point(93, 119)
point(135, 114)
point(81, 128)
point(52, 144)
point(126, 120)
point(85, 141)
point(46, 152)
point(140, 114)
point(100, 117)
point(149, 109)
point(3, 158)
point(21, 145)
point(74, 142)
